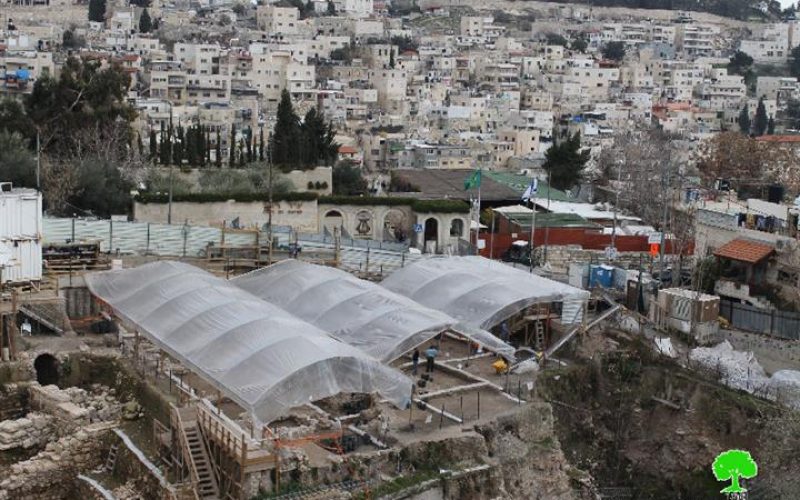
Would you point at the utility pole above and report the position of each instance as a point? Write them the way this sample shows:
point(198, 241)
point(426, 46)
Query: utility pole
point(665, 194)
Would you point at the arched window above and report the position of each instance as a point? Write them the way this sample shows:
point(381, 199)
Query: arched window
point(457, 228)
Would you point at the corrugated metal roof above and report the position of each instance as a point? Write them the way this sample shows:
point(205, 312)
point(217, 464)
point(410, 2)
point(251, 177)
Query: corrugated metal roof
point(552, 220)
point(745, 251)
point(520, 183)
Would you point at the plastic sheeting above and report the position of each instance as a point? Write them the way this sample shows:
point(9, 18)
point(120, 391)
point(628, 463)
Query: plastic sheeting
point(784, 387)
point(265, 359)
point(476, 290)
point(358, 312)
point(737, 369)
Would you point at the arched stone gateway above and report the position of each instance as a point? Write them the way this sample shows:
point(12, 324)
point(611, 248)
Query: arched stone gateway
point(331, 220)
point(46, 366)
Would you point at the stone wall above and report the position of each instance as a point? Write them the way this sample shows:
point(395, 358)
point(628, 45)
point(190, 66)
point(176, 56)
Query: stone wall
point(560, 257)
point(51, 474)
point(13, 401)
point(301, 178)
point(74, 406)
point(33, 430)
point(300, 215)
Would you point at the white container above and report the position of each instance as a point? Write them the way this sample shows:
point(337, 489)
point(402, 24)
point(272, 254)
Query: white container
point(578, 274)
point(20, 214)
point(25, 262)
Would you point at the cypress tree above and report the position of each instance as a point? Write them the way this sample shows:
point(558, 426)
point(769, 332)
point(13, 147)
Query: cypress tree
point(565, 162)
point(286, 136)
point(241, 154)
point(313, 137)
point(249, 145)
point(153, 146)
point(189, 147)
point(744, 120)
point(771, 125)
point(232, 148)
point(261, 144)
point(145, 23)
point(761, 121)
point(166, 145)
point(218, 151)
point(202, 145)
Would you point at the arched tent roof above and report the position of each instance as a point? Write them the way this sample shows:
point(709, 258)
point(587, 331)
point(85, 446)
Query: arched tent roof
point(357, 312)
point(265, 359)
point(476, 290)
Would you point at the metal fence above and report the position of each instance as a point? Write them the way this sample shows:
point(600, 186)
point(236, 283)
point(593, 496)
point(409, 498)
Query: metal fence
point(180, 240)
point(753, 319)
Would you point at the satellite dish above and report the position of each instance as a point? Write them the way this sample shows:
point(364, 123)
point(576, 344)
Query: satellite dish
point(5, 255)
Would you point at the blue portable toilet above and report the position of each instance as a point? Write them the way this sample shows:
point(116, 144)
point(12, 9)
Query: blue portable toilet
point(601, 275)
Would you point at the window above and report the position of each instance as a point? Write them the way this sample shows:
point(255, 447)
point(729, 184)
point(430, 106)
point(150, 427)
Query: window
point(457, 228)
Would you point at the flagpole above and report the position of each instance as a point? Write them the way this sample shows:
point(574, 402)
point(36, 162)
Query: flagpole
point(547, 228)
point(478, 225)
point(533, 225)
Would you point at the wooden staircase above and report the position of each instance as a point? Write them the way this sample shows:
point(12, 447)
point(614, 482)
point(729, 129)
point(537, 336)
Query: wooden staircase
point(197, 457)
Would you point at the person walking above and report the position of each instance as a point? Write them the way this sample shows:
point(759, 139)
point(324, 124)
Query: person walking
point(430, 356)
point(415, 361)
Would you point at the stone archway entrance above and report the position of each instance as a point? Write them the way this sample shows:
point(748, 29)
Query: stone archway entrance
point(46, 366)
point(431, 235)
point(331, 220)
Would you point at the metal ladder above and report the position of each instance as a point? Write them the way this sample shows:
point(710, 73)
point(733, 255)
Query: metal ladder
point(538, 336)
point(111, 459)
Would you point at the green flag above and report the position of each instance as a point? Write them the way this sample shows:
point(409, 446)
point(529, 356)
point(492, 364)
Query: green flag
point(473, 181)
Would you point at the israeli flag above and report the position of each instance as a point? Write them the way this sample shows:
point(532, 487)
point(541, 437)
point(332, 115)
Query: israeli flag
point(533, 187)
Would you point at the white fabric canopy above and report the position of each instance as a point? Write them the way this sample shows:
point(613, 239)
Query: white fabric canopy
point(265, 359)
point(478, 291)
point(358, 312)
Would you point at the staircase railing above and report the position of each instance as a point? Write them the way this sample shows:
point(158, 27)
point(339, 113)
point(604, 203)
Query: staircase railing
point(194, 477)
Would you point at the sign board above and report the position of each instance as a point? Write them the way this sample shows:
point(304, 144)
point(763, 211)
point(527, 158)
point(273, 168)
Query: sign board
point(654, 238)
point(417, 228)
point(611, 253)
point(481, 244)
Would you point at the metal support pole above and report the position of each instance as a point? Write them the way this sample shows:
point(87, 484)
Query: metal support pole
point(169, 206)
point(491, 238)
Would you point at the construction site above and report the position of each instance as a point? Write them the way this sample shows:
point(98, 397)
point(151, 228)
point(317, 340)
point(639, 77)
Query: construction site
point(133, 377)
